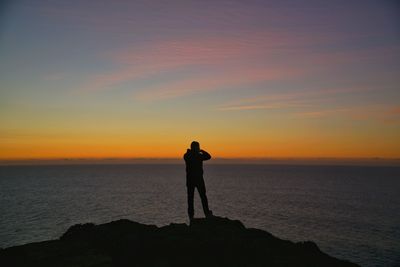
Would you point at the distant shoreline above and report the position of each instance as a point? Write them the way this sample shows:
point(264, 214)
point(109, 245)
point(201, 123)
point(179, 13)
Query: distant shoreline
point(247, 161)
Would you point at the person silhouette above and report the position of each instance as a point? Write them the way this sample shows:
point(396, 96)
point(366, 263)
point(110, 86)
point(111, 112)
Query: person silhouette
point(194, 158)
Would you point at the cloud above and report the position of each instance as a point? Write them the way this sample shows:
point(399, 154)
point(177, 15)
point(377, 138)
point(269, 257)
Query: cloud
point(280, 105)
point(55, 76)
point(316, 104)
point(229, 55)
point(206, 83)
point(208, 63)
point(394, 111)
point(294, 98)
point(376, 113)
point(322, 113)
point(211, 53)
point(392, 115)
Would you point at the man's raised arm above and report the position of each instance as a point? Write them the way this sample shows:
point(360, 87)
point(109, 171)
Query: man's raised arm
point(205, 154)
point(186, 156)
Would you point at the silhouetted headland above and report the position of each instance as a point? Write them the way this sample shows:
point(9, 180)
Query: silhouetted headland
point(212, 241)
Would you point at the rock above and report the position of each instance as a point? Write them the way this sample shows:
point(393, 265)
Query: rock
point(213, 241)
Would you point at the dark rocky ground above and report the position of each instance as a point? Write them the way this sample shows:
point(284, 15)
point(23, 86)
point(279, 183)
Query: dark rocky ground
point(207, 242)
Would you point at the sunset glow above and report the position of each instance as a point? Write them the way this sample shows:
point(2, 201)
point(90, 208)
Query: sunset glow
point(247, 79)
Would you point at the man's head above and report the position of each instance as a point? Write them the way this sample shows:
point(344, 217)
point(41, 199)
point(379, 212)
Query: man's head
point(195, 146)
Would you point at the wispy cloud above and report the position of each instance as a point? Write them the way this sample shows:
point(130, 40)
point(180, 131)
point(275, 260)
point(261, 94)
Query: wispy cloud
point(376, 113)
point(322, 113)
point(55, 76)
point(317, 104)
point(392, 115)
point(280, 105)
point(223, 54)
point(229, 56)
point(293, 98)
point(226, 80)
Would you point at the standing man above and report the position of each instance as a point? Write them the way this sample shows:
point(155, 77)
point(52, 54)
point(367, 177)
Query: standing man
point(194, 158)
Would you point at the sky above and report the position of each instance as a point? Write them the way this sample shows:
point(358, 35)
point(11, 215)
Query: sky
point(247, 79)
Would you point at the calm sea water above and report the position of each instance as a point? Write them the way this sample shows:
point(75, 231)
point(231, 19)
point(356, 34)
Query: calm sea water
point(350, 212)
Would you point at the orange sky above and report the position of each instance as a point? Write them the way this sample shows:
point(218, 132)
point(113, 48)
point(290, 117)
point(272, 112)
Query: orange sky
point(245, 80)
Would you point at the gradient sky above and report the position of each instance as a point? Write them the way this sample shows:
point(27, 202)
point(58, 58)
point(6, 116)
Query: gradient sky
point(245, 78)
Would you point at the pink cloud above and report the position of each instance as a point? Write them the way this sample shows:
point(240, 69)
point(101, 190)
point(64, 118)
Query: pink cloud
point(392, 115)
point(322, 113)
point(394, 111)
point(278, 105)
point(303, 98)
point(55, 76)
point(377, 113)
point(379, 53)
point(220, 62)
point(214, 82)
point(225, 53)
point(315, 104)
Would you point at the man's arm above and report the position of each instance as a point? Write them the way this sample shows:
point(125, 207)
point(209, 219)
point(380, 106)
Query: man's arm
point(205, 154)
point(186, 156)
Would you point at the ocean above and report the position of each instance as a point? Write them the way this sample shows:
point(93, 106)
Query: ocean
point(351, 212)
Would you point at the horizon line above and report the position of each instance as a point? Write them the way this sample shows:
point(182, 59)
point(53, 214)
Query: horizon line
point(218, 160)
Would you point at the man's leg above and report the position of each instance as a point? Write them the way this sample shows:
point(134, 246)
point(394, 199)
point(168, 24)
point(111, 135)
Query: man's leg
point(204, 201)
point(190, 196)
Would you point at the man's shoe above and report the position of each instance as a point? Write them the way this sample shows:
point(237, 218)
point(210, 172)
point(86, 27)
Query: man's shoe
point(209, 214)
